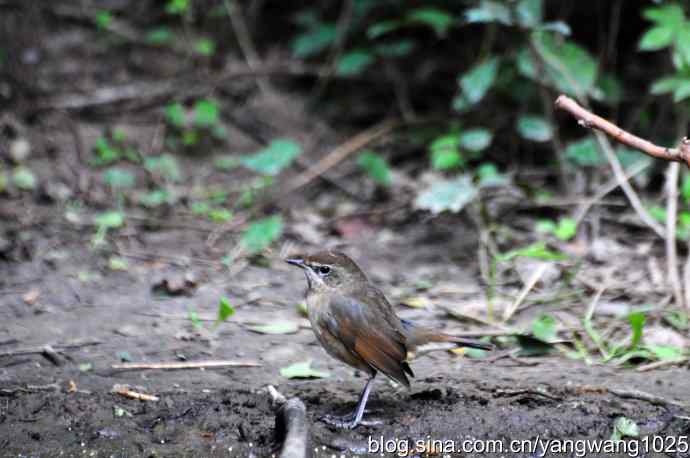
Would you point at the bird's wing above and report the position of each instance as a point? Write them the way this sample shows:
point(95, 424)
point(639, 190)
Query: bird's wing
point(366, 333)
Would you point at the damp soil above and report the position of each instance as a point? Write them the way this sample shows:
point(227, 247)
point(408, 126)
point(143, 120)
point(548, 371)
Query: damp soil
point(69, 409)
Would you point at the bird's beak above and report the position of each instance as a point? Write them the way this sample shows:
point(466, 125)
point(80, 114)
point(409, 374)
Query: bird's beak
point(296, 261)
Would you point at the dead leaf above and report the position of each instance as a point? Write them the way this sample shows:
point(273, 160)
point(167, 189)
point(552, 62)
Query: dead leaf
point(71, 387)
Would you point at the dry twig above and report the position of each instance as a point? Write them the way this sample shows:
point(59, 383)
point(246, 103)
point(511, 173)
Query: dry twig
point(533, 279)
point(124, 390)
point(588, 119)
point(592, 121)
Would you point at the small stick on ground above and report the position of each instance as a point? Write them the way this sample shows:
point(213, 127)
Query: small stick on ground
point(291, 429)
point(125, 391)
point(186, 365)
point(536, 275)
point(662, 363)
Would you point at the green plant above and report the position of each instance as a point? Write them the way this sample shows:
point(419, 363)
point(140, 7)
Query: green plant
point(260, 234)
point(113, 147)
point(375, 166)
point(190, 125)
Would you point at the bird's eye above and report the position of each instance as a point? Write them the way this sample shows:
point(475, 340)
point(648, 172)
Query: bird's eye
point(324, 270)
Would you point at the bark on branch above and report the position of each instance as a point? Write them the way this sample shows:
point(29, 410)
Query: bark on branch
point(588, 119)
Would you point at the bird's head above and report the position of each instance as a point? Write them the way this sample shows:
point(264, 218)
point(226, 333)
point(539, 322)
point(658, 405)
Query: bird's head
point(329, 269)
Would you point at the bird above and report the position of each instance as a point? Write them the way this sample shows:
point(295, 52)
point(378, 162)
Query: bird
point(355, 323)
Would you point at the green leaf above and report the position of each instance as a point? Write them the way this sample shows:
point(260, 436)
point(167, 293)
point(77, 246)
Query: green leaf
point(274, 158)
point(118, 264)
point(260, 234)
point(375, 166)
point(682, 92)
point(537, 250)
point(400, 48)
point(544, 328)
point(159, 36)
point(584, 153)
point(194, 318)
point(225, 310)
point(353, 63)
point(302, 370)
point(23, 178)
point(534, 128)
point(205, 47)
point(156, 198)
point(219, 215)
point(227, 162)
point(437, 19)
point(489, 176)
point(177, 6)
point(314, 41)
point(164, 165)
point(566, 229)
point(478, 80)
point(103, 19)
point(175, 114)
point(445, 152)
point(382, 28)
point(558, 27)
point(529, 12)
point(476, 140)
point(656, 38)
point(118, 178)
point(489, 11)
point(624, 427)
point(565, 65)
point(658, 213)
point(110, 220)
point(206, 113)
point(670, 15)
point(665, 352)
point(637, 320)
point(629, 157)
point(545, 226)
point(451, 195)
point(276, 327)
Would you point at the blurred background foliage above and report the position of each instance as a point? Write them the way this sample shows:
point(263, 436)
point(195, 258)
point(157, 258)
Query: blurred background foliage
point(472, 81)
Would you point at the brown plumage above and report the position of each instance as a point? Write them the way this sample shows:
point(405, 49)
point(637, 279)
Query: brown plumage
point(355, 323)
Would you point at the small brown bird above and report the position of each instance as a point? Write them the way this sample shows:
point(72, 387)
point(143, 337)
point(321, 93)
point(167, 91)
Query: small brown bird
point(355, 323)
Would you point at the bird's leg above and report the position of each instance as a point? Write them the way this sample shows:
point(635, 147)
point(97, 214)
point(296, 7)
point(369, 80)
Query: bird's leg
point(354, 419)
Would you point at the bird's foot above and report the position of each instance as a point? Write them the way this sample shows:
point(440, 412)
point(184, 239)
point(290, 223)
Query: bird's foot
point(347, 422)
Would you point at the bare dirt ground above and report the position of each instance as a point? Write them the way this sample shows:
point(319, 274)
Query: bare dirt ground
point(226, 412)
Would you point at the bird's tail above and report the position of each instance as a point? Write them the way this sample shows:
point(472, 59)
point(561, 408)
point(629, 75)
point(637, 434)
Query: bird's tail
point(419, 335)
point(459, 341)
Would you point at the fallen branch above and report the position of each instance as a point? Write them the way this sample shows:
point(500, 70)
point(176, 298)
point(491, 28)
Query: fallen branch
point(291, 428)
point(186, 365)
point(592, 121)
